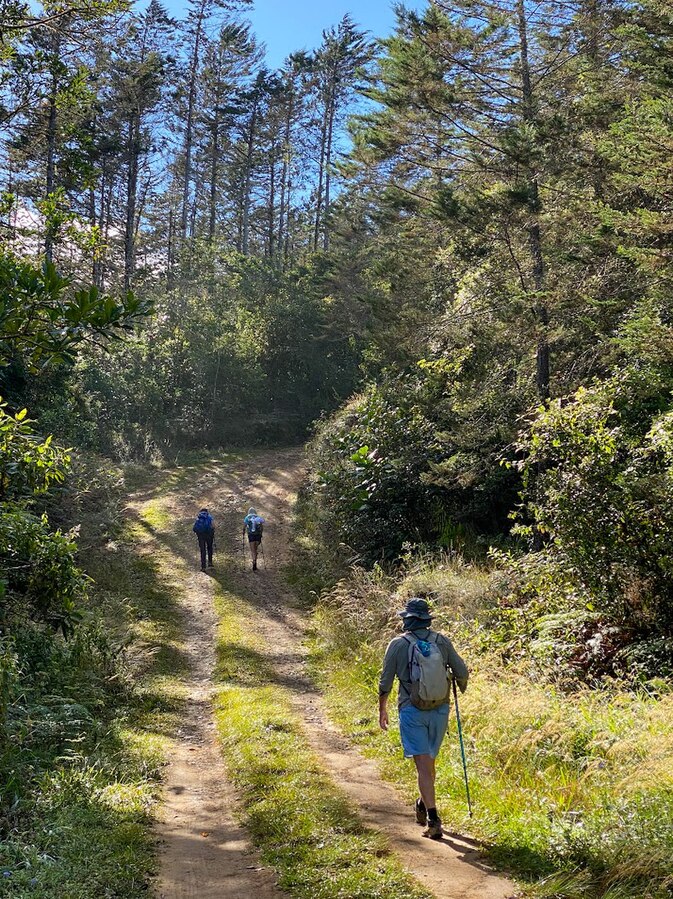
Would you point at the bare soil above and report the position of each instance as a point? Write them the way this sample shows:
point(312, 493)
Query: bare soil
point(204, 852)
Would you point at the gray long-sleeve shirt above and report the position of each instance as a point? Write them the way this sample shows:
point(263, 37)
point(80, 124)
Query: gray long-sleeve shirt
point(396, 664)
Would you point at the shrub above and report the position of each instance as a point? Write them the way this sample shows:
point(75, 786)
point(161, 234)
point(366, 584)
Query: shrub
point(604, 496)
point(9, 679)
point(416, 458)
point(369, 461)
point(41, 574)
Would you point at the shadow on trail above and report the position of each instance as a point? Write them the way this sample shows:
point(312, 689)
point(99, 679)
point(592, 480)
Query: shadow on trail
point(247, 667)
point(145, 606)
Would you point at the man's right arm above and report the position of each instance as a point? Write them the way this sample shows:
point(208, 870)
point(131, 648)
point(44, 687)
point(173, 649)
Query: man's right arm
point(386, 684)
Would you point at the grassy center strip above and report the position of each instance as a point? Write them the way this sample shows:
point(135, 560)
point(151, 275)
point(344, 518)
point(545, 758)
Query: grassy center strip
point(302, 823)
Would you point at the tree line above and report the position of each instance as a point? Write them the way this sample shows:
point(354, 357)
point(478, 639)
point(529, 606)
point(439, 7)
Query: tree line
point(461, 231)
point(511, 192)
point(161, 157)
point(129, 137)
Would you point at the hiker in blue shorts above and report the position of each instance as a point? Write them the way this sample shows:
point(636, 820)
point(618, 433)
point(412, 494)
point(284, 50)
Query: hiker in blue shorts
point(423, 662)
point(253, 525)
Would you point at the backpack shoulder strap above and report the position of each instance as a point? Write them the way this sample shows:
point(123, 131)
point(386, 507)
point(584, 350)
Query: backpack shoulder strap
point(411, 641)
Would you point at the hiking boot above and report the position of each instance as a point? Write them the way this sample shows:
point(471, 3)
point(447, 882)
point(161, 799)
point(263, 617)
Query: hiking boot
point(203, 568)
point(254, 566)
point(434, 830)
point(421, 813)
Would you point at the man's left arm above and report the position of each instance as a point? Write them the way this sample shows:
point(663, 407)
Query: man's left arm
point(383, 711)
point(457, 666)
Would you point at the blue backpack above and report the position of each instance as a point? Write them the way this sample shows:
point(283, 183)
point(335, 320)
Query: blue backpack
point(203, 523)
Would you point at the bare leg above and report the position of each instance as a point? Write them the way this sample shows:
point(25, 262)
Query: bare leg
point(425, 766)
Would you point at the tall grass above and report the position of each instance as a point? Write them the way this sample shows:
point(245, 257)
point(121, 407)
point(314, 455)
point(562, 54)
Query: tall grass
point(573, 791)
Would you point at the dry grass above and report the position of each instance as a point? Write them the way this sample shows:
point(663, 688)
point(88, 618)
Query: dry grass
point(573, 791)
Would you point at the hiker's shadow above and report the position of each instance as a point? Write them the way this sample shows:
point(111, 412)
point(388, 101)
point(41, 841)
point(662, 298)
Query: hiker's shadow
point(470, 850)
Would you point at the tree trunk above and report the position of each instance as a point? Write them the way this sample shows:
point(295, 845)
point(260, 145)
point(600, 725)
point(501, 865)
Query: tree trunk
point(98, 262)
point(534, 233)
point(247, 182)
point(214, 174)
point(288, 210)
point(106, 213)
point(321, 175)
point(215, 155)
point(170, 249)
point(133, 149)
point(284, 175)
point(192, 216)
point(328, 166)
point(92, 225)
point(593, 38)
point(189, 127)
point(272, 200)
point(51, 164)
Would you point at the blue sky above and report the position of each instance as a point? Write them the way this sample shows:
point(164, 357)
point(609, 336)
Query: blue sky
point(287, 25)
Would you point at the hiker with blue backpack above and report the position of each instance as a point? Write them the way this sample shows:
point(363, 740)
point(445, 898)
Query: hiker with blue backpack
point(424, 662)
point(253, 525)
point(204, 528)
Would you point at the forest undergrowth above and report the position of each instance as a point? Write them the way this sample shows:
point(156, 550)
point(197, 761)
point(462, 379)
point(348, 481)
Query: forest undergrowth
point(571, 785)
point(86, 732)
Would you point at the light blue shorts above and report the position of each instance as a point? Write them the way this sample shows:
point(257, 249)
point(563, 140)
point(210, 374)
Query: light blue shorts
point(422, 731)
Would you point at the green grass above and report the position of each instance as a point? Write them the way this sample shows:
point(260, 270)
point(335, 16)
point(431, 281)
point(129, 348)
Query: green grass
point(572, 792)
point(81, 823)
point(302, 823)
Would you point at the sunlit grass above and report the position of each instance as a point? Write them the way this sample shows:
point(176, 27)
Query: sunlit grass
point(302, 823)
point(572, 791)
point(87, 832)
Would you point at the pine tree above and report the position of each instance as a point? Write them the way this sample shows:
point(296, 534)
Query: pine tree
point(48, 139)
point(140, 68)
point(229, 63)
point(293, 101)
point(337, 63)
point(196, 38)
point(477, 124)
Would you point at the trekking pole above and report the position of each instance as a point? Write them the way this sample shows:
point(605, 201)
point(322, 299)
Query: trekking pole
point(261, 549)
point(462, 746)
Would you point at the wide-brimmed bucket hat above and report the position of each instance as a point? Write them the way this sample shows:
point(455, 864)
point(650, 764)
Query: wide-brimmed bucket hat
point(416, 608)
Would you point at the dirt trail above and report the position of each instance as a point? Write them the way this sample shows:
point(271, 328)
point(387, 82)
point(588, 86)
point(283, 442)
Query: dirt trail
point(204, 853)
